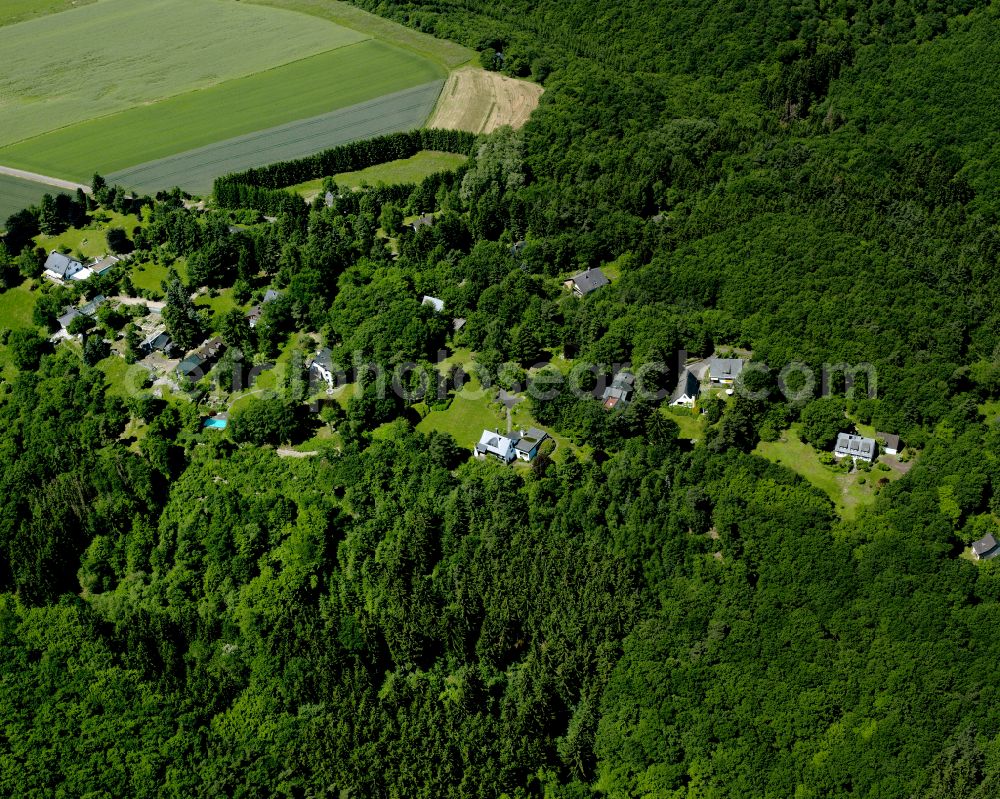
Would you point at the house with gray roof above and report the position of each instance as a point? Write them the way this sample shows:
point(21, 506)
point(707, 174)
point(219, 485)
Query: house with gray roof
point(61, 267)
point(493, 444)
point(89, 309)
point(587, 281)
point(254, 314)
point(323, 367)
point(528, 442)
point(434, 302)
point(618, 394)
point(725, 370)
point(985, 548)
point(422, 221)
point(890, 443)
point(857, 447)
point(157, 341)
point(190, 367)
point(687, 391)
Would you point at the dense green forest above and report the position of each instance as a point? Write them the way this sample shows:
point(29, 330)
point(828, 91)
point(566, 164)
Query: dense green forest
point(188, 614)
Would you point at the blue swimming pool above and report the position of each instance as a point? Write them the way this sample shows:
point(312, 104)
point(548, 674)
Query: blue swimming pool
point(216, 424)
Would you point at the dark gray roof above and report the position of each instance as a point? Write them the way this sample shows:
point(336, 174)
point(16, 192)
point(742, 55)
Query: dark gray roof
point(66, 318)
point(725, 368)
point(324, 359)
point(60, 264)
point(91, 307)
point(422, 221)
point(687, 384)
point(529, 439)
point(984, 545)
point(190, 364)
point(590, 280)
point(891, 440)
point(270, 296)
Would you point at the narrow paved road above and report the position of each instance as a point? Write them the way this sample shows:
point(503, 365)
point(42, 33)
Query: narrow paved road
point(35, 177)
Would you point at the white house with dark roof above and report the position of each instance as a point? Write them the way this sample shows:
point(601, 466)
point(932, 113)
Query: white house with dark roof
point(528, 443)
point(587, 281)
point(254, 314)
point(687, 391)
point(492, 443)
point(61, 267)
point(857, 447)
point(322, 366)
point(985, 548)
point(725, 371)
point(890, 443)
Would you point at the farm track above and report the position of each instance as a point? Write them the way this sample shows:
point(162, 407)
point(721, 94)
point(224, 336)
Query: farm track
point(34, 177)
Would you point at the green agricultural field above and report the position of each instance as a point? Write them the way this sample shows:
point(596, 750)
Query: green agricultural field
point(12, 11)
point(101, 59)
point(307, 88)
point(16, 194)
point(195, 170)
point(448, 54)
point(404, 170)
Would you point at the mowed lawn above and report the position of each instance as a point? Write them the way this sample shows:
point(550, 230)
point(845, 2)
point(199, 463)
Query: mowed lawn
point(467, 416)
point(296, 91)
point(404, 170)
point(106, 57)
point(16, 194)
point(16, 306)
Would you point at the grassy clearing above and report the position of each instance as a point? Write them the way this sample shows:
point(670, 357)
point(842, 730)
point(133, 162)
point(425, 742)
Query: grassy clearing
point(195, 170)
point(691, 423)
point(219, 305)
point(404, 170)
point(298, 91)
point(14, 11)
point(90, 241)
point(844, 490)
point(16, 194)
point(467, 416)
point(16, 306)
point(448, 54)
point(44, 89)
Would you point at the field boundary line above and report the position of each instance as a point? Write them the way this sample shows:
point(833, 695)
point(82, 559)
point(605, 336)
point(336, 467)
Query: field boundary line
point(45, 180)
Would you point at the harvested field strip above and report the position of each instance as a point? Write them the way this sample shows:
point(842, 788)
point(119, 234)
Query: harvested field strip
point(480, 102)
point(16, 194)
point(101, 59)
point(195, 170)
point(316, 85)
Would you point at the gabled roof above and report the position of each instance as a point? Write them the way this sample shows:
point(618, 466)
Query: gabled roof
point(984, 545)
point(323, 359)
point(495, 444)
point(589, 280)
point(434, 302)
point(66, 318)
point(270, 296)
point(687, 385)
point(890, 440)
point(422, 221)
point(856, 446)
point(59, 264)
point(91, 307)
point(103, 265)
point(190, 364)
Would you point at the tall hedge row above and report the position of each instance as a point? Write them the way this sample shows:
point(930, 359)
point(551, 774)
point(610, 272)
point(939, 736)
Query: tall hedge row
point(262, 188)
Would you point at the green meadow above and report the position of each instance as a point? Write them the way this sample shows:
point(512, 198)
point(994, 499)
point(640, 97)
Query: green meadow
point(306, 88)
point(100, 59)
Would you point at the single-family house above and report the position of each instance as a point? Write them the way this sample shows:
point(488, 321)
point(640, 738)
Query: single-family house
point(528, 443)
point(725, 370)
point(61, 267)
point(853, 446)
point(89, 309)
point(157, 341)
point(254, 314)
point(422, 221)
point(102, 265)
point(890, 443)
point(687, 391)
point(328, 199)
point(587, 281)
point(212, 349)
point(322, 366)
point(190, 367)
point(492, 443)
point(619, 393)
point(434, 302)
point(457, 323)
point(985, 548)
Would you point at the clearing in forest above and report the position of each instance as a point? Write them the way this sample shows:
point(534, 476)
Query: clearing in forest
point(480, 102)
